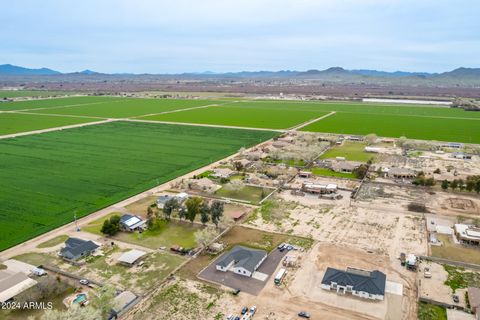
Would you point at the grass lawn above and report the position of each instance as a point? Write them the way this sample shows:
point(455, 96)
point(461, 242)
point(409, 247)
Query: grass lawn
point(459, 278)
point(247, 193)
point(353, 151)
point(140, 207)
point(427, 311)
point(167, 235)
point(330, 173)
point(96, 225)
point(53, 242)
point(414, 127)
point(37, 258)
point(452, 251)
point(84, 169)
point(19, 122)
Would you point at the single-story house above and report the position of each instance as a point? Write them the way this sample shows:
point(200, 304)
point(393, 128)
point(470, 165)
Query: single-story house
point(131, 257)
point(76, 248)
point(224, 173)
point(132, 223)
point(345, 166)
point(461, 155)
point(304, 174)
point(360, 283)
point(401, 173)
point(474, 300)
point(467, 234)
point(13, 283)
point(181, 197)
point(242, 260)
point(319, 188)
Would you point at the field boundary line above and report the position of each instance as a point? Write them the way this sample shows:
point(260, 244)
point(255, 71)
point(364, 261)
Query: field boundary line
point(59, 115)
point(302, 125)
point(180, 110)
point(78, 125)
point(203, 125)
point(408, 115)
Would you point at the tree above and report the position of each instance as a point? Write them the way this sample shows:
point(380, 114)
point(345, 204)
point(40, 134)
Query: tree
point(111, 226)
point(361, 171)
point(445, 184)
point(216, 212)
point(477, 186)
point(234, 186)
point(205, 236)
point(225, 222)
point(238, 166)
point(150, 218)
point(371, 138)
point(437, 171)
point(461, 184)
point(169, 207)
point(182, 213)
point(193, 205)
point(454, 184)
point(102, 300)
point(205, 212)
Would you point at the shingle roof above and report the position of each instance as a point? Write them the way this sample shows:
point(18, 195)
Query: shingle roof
point(75, 247)
point(372, 282)
point(243, 257)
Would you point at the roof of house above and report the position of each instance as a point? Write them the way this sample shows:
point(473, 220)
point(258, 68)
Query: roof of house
point(345, 165)
point(163, 199)
point(372, 282)
point(243, 257)
point(467, 231)
point(131, 221)
point(474, 297)
point(13, 283)
point(75, 247)
point(121, 301)
point(131, 256)
point(401, 171)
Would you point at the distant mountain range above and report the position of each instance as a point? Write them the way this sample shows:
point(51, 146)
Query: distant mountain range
point(334, 72)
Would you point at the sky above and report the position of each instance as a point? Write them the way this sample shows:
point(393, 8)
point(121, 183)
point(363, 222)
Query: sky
point(163, 36)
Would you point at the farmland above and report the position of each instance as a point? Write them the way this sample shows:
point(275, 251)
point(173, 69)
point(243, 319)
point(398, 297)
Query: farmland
point(53, 175)
point(416, 127)
point(54, 103)
point(18, 122)
point(242, 115)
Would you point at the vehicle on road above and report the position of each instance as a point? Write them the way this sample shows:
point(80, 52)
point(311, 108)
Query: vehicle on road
point(84, 282)
point(304, 314)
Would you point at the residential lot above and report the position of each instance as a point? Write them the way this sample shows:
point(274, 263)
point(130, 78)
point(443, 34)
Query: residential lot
point(246, 284)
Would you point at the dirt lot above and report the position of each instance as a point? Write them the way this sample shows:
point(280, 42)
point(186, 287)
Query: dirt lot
point(364, 226)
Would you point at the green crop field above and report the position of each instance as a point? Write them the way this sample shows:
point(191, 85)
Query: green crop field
point(54, 103)
point(17, 122)
point(128, 107)
point(425, 128)
point(244, 115)
point(31, 93)
point(53, 175)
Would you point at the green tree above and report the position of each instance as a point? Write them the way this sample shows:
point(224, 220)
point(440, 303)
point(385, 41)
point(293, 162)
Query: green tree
point(205, 212)
point(454, 184)
point(111, 226)
point(445, 184)
point(477, 186)
point(205, 236)
point(216, 212)
point(193, 205)
point(170, 206)
point(461, 184)
point(361, 171)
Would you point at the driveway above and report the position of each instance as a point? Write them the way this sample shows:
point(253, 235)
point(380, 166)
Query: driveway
point(246, 284)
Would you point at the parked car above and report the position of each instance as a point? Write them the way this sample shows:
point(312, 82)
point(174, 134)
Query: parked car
point(304, 314)
point(456, 299)
point(236, 292)
point(230, 317)
point(84, 281)
point(427, 273)
point(237, 318)
point(244, 310)
point(281, 246)
point(253, 309)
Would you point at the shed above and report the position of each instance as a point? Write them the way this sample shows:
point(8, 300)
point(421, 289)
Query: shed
point(131, 257)
point(13, 283)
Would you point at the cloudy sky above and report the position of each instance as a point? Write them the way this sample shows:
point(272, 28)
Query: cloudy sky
point(147, 36)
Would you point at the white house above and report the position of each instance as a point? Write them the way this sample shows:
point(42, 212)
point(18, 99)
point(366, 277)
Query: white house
point(241, 260)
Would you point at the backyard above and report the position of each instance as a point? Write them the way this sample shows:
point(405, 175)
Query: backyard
point(452, 251)
point(352, 151)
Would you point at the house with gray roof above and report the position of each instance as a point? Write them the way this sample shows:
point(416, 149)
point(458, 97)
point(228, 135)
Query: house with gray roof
point(132, 223)
point(76, 248)
point(241, 260)
point(360, 283)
